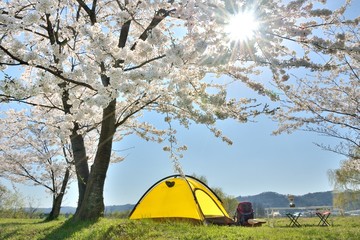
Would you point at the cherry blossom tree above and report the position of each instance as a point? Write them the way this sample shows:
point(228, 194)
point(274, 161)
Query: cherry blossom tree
point(100, 65)
point(31, 154)
point(326, 99)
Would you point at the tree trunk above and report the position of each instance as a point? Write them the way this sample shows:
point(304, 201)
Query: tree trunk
point(92, 207)
point(81, 164)
point(78, 148)
point(57, 200)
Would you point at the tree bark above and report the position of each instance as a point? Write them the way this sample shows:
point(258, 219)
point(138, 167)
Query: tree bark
point(57, 200)
point(78, 148)
point(92, 206)
point(81, 164)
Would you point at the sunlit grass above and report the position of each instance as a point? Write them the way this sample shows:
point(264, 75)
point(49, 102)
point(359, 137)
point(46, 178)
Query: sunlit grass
point(343, 228)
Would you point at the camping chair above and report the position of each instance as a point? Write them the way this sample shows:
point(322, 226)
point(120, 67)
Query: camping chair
point(243, 213)
point(294, 219)
point(323, 216)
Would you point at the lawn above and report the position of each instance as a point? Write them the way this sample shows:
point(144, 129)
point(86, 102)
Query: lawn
point(343, 228)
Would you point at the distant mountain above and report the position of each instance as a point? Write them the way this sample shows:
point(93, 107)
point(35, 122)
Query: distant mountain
point(63, 210)
point(265, 199)
point(273, 199)
point(119, 208)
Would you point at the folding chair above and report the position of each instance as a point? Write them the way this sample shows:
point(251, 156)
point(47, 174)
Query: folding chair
point(294, 219)
point(323, 216)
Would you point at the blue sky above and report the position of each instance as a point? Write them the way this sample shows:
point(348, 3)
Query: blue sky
point(255, 163)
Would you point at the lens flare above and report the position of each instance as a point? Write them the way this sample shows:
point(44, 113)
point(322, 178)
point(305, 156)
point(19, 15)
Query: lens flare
point(242, 26)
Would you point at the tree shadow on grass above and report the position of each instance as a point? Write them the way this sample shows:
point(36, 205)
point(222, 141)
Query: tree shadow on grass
point(14, 224)
point(5, 225)
point(10, 234)
point(67, 229)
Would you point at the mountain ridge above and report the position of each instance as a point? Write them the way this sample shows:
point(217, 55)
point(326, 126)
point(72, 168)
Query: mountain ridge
point(266, 199)
point(273, 199)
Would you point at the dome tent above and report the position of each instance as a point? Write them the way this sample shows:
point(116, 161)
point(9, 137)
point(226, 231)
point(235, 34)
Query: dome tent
point(181, 197)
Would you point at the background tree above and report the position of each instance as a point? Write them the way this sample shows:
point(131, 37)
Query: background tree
point(346, 200)
point(11, 203)
point(346, 182)
point(30, 153)
point(347, 176)
point(102, 64)
point(229, 202)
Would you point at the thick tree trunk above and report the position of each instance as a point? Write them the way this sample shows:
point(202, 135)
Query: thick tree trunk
point(57, 200)
point(92, 206)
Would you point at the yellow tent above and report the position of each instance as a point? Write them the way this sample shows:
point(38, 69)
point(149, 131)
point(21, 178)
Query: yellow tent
point(178, 197)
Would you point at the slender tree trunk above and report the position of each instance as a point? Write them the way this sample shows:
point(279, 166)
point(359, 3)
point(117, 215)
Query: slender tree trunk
point(57, 200)
point(81, 164)
point(78, 148)
point(92, 206)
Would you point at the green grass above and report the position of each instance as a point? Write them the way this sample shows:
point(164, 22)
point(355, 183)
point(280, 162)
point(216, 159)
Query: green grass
point(343, 228)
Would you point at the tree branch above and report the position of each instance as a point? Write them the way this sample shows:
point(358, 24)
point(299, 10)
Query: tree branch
point(158, 17)
point(90, 12)
point(119, 123)
point(352, 69)
point(144, 63)
point(55, 72)
point(124, 34)
point(28, 175)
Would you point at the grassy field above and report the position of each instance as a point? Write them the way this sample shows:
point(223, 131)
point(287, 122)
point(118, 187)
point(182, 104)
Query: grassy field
point(343, 228)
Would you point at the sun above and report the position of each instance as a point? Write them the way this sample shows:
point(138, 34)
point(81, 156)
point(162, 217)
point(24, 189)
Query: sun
point(242, 26)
